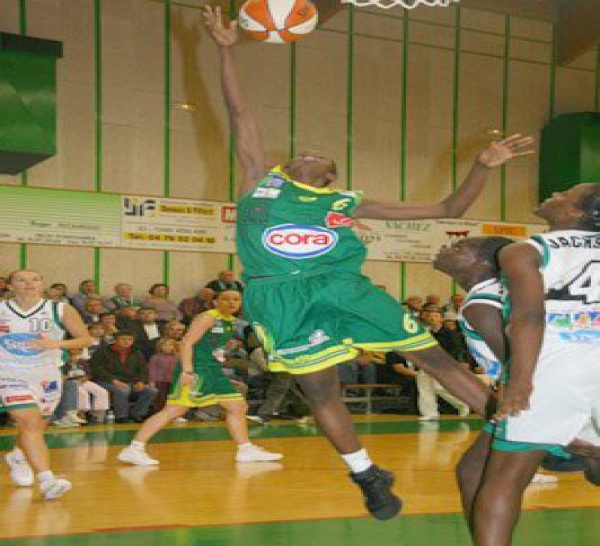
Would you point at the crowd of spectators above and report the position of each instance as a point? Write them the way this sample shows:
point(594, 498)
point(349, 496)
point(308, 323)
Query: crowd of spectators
point(126, 373)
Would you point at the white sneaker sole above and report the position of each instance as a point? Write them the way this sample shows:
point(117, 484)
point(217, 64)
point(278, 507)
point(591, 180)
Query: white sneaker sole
point(22, 481)
point(125, 458)
point(58, 489)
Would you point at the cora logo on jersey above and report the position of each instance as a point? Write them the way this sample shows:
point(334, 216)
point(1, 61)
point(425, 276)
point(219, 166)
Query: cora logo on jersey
point(18, 344)
point(299, 242)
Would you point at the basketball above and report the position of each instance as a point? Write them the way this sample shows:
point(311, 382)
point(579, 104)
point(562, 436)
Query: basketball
point(278, 21)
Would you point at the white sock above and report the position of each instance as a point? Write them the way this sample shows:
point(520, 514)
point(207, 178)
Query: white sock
point(17, 454)
point(45, 476)
point(138, 445)
point(358, 461)
point(247, 445)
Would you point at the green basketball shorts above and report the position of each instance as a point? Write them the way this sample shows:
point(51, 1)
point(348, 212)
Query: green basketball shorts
point(310, 323)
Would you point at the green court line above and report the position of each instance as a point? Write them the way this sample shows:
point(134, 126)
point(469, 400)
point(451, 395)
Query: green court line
point(201, 433)
point(580, 527)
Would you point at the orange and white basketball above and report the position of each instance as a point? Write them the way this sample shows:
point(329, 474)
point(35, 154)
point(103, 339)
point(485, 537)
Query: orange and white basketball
point(278, 21)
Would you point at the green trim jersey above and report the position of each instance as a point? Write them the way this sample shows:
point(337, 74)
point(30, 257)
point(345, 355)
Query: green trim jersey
point(490, 293)
point(209, 351)
point(571, 272)
point(18, 328)
point(566, 383)
point(288, 228)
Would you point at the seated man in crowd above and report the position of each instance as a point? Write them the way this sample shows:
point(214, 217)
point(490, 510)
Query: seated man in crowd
point(123, 298)
point(226, 281)
point(92, 309)
point(123, 371)
point(149, 331)
point(87, 288)
point(109, 324)
point(196, 305)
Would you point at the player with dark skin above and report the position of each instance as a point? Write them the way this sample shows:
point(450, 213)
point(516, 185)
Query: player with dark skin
point(314, 169)
point(492, 481)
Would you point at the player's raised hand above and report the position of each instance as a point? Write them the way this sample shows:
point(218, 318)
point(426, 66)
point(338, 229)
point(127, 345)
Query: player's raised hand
point(513, 399)
point(498, 153)
point(225, 35)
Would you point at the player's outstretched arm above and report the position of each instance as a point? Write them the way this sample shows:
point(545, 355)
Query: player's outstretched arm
point(249, 146)
point(520, 263)
point(457, 203)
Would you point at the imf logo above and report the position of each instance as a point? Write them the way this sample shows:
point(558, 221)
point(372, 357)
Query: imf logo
point(138, 206)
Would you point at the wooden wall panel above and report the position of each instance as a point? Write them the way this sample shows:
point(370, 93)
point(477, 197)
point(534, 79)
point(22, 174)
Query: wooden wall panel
point(376, 114)
point(133, 97)
point(140, 268)
point(69, 265)
point(189, 271)
point(72, 24)
point(199, 137)
point(575, 91)
point(9, 258)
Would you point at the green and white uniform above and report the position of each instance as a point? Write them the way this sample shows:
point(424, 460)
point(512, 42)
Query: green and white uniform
point(211, 385)
point(566, 383)
point(30, 377)
point(305, 295)
point(490, 293)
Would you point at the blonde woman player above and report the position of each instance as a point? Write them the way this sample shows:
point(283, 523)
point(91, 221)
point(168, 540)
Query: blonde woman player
point(31, 342)
point(199, 381)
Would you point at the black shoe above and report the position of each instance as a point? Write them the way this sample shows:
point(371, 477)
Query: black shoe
point(592, 470)
point(376, 485)
point(138, 419)
point(560, 464)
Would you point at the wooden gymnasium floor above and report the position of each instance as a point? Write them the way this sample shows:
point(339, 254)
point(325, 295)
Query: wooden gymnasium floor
point(199, 496)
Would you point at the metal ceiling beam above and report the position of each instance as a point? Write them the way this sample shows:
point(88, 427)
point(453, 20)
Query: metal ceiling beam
point(578, 29)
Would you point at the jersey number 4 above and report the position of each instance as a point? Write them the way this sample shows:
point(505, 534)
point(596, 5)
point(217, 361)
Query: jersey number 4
point(585, 287)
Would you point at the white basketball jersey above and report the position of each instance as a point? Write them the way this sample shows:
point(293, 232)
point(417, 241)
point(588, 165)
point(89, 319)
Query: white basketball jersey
point(490, 293)
point(571, 273)
point(18, 327)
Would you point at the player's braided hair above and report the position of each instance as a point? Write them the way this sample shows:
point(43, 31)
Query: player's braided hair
point(590, 205)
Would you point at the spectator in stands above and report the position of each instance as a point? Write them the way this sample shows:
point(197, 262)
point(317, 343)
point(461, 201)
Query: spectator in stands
point(396, 371)
point(109, 323)
point(96, 331)
point(65, 414)
point(453, 306)
point(433, 299)
point(161, 367)
point(149, 331)
point(174, 330)
point(123, 371)
point(191, 307)
point(87, 289)
point(64, 292)
point(92, 398)
point(429, 388)
point(128, 319)
point(166, 309)
point(226, 281)
point(413, 305)
point(92, 309)
point(123, 298)
point(359, 370)
point(53, 294)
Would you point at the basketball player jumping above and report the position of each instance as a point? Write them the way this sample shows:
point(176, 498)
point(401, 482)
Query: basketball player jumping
point(306, 297)
point(31, 343)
